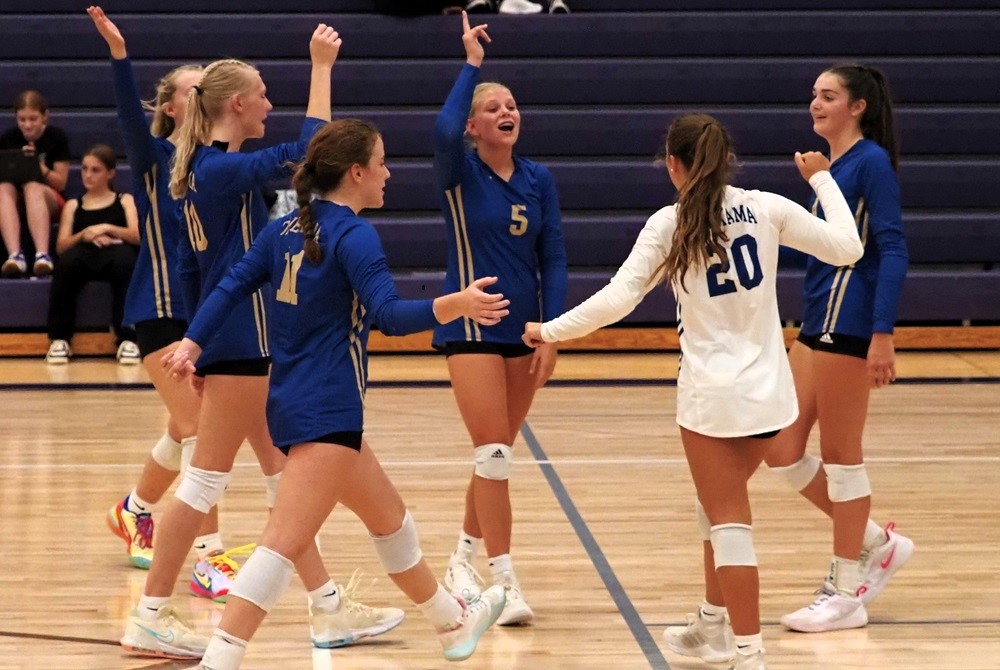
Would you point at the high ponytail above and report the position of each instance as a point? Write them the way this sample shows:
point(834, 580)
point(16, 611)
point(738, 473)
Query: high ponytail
point(878, 122)
point(221, 81)
point(162, 125)
point(705, 149)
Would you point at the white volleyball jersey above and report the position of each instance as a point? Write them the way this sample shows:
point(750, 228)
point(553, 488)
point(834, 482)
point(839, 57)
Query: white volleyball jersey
point(734, 376)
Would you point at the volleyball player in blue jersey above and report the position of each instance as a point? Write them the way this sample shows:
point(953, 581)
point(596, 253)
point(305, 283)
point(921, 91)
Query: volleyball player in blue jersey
point(332, 282)
point(502, 216)
point(224, 211)
point(845, 347)
point(153, 304)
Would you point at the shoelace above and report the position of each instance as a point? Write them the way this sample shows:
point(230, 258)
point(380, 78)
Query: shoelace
point(144, 530)
point(224, 562)
point(348, 597)
point(169, 615)
point(825, 592)
point(476, 577)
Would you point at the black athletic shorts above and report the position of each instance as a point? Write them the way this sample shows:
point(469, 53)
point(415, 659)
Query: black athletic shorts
point(503, 350)
point(345, 438)
point(245, 367)
point(154, 334)
point(835, 343)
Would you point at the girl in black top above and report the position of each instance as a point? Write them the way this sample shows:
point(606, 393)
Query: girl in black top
point(98, 239)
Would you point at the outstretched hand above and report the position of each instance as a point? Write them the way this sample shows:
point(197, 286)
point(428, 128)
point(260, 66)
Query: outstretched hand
point(179, 363)
point(109, 31)
point(474, 52)
point(324, 45)
point(810, 163)
point(484, 308)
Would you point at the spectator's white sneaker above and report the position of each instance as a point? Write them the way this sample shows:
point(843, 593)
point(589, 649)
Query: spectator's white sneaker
point(480, 7)
point(558, 7)
point(15, 266)
point(881, 563)
point(830, 611)
point(43, 265)
point(128, 353)
point(520, 7)
point(59, 353)
point(711, 641)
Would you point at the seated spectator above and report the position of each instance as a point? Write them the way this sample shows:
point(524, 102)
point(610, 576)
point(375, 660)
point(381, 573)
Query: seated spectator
point(515, 7)
point(42, 199)
point(98, 239)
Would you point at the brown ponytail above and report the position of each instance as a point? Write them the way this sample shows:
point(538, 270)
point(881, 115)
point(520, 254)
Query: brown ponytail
point(705, 149)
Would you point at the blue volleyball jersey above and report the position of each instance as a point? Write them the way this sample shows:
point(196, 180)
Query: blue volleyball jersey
point(225, 211)
point(320, 320)
point(861, 299)
point(508, 229)
point(154, 291)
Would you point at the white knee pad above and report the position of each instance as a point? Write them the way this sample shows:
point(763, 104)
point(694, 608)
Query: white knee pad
point(202, 489)
point(399, 551)
point(263, 578)
point(187, 451)
point(732, 544)
point(799, 474)
point(704, 525)
point(271, 487)
point(493, 461)
point(167, 453)
point(846, 482)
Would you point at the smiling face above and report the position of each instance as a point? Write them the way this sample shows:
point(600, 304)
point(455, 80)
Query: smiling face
point(32, 122)
point(831, 108)
point(495, 120)
point(253, 106)
point(95, 174)
point(374, 175)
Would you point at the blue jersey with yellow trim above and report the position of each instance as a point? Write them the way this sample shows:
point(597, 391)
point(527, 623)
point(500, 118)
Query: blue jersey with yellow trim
point(225, 210)
point(863, 298)
point(320, 320)
point(508, 229)
point(154, 291)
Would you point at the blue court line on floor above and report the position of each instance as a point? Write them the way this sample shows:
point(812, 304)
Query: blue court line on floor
point(639, 630)
point(113, 386)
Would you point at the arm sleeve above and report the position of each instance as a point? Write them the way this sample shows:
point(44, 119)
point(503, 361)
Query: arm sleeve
point(139, 144)
point(239, 172)
point(190, 275)
point(834, 241)
point(449, 128)
point(60, 148)
point(634, 279)
point(360, 252)
point(885, 223)
point(552, 251)
point(245, 277)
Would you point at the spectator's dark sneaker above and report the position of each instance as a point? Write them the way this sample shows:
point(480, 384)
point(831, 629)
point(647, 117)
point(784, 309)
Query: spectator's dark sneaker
point(14, 266)
point(43, 265)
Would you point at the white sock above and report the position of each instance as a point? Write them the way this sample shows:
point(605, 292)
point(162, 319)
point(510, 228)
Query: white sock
point(713, 613)
point(499, 565)
point(326, 598)
point(207, 545)
point(224, 652)
point(874, 536)
point(442, 610)
point(749, 644)
point(149, 606)
point(137, 505)
point(468, 547)
point(845, 576)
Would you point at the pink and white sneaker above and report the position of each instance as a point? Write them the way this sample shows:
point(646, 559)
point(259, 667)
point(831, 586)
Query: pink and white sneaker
point(881, 563)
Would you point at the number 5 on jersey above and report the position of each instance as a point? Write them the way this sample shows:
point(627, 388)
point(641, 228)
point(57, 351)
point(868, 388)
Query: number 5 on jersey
point(289, 279)
point(517, 214)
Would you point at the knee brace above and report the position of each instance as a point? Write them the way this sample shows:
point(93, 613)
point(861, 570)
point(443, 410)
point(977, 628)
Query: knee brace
point(732, 544)
point(799, 474)
point(399, 551)
point(167, 453)
point(846, 482)
point(493, 461)
point(202, 489)
point(187, 451)
point(271, 488)
point(704, 525)
point(263, 578)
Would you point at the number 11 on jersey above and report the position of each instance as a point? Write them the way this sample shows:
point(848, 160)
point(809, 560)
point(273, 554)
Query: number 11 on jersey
point(286, 292)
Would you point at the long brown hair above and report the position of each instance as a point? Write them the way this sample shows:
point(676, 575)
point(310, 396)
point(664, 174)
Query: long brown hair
point(163, 125)
point(878, 123)
point(331, 153)
point(221, 81)
point(704, 147)
point(31, 99)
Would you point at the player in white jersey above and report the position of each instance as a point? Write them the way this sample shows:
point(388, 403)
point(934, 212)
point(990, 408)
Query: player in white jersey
point(717, 248)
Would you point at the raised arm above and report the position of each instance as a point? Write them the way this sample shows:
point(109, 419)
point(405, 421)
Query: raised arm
point(449, 129)
point(323, 49)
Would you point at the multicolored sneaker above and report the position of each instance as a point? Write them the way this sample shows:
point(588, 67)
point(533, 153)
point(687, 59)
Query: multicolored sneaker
point(213, 576)
point(43, 265)
point(167, 636)
point(353, 621)
point(460, 640)
point(15, 266)
point(881, 563)
point(136, 530)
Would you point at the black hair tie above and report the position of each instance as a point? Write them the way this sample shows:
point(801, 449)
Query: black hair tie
point(198, 89)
